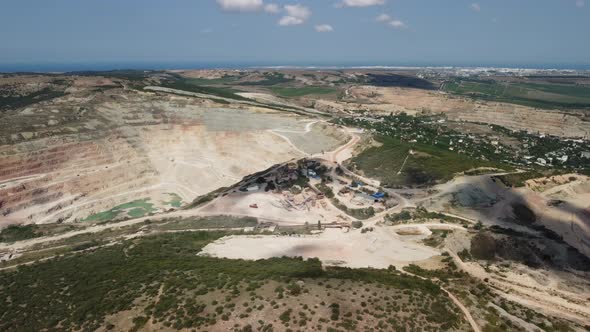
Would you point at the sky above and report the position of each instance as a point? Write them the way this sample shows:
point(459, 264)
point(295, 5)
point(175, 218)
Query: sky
point(233, 33)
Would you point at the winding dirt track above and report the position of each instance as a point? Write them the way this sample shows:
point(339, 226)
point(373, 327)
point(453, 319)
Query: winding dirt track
point(465, 311)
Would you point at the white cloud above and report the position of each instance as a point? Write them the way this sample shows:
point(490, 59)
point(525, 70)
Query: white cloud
point(580, 3)
point(290, 20)
point(272, 8)
point(298, 11)
point(397, 24)
point(324, 28)
point(386, 19)
point(361, 3)
point(296, 14)
point(475, 7)
point(240, 5)
point(383, 18)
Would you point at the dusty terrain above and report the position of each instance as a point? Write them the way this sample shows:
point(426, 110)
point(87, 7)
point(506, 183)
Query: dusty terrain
point(561, 205)
point(122, 146)
point(104, 162)
point(378, 249)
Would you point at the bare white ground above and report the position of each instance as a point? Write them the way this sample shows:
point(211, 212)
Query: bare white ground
point(378, 249)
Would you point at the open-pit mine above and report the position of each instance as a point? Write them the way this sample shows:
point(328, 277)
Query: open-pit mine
point(277, 200)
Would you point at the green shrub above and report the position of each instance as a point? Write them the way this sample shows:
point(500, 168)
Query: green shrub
point(14, 233)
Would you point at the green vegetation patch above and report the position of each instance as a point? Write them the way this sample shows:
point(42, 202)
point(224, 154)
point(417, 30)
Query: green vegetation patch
point(136, 212)
point(427, 165)
point(213, 81)
point(541, 95)
point(14, 102)
point(78, 291)
point(363, 213)
point(126, 74)
point(437, 238)
point(190, 86)
point(14, 233)
point(395, 80)
point(211, 223)
point(420, 214)
point(270, 78)
point(442, 274)
point(161, 277)
point(302, 91)
point(518, 179)
point(136, 209)
point(175, 200)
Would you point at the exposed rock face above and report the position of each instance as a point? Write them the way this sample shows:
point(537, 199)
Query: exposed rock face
point(69, 180)
point(115, 148)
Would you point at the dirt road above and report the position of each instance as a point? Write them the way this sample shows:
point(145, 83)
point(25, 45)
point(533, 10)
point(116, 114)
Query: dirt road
point(457, 302)
point(464, 309)
point(546, 299)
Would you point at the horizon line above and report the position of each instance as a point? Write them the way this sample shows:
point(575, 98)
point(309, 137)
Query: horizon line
point(60, 68)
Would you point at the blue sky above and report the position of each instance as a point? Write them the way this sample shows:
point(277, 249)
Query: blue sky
point(304, 32)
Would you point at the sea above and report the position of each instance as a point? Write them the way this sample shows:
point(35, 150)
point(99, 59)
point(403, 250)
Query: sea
point(129, 65)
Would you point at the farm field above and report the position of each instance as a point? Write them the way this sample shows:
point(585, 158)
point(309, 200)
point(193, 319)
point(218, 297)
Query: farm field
point(539, 95)
point(302, 91)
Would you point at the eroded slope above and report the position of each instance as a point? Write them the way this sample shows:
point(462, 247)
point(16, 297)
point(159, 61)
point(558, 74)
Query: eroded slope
point(90, 151)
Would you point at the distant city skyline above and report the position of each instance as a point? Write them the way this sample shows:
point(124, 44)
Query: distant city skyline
point(65, 35)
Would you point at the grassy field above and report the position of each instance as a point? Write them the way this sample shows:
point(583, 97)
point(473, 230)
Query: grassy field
point(135, 209)
point(159, 281)
point(395, 80)
point(194, 86)
point(212, 81)
point(270, 78)
point(302, 91)
point(542, 95)
point(427, 165)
